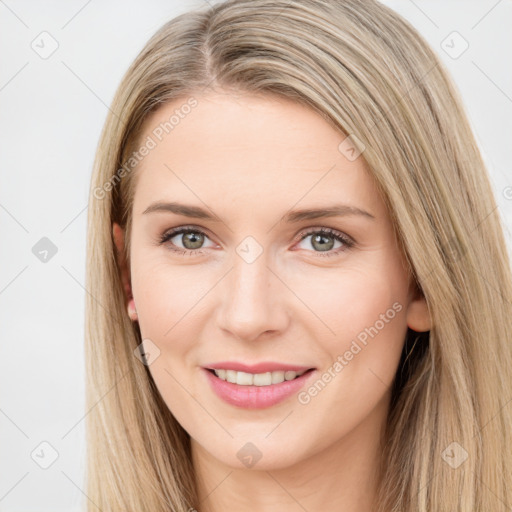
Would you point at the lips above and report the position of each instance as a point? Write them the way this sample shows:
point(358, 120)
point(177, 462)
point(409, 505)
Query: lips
point(262, 394)
point(263, 367)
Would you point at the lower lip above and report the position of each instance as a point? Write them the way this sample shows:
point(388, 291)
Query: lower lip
point(256, 397)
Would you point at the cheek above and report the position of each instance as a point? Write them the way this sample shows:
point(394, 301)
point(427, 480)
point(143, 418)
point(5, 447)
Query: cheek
point(366, 313)
point(168, 300)
point(165, 295)
point(347, 300)
point(357, 316)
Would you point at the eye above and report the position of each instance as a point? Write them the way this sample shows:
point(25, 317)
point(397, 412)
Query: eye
point(324, 239)
point(192, 239)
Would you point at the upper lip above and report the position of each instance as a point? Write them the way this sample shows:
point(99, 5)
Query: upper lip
point(263, 367)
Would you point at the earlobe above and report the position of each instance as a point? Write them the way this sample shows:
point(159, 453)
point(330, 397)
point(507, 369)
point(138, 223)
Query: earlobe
point(118, 235)
point(132, 312)
point(418, 316)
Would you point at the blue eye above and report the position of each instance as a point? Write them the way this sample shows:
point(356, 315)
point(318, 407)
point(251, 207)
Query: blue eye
point(323, 240)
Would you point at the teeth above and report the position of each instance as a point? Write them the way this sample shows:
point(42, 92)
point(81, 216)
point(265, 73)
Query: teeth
point(256, 379)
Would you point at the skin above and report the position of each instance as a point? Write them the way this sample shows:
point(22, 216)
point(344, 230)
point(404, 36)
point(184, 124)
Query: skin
point(250, 160)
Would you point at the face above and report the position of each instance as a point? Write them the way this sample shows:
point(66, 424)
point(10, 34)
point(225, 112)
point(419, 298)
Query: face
point(257, 241)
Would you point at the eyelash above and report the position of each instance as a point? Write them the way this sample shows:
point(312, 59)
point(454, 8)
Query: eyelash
point(348, 242)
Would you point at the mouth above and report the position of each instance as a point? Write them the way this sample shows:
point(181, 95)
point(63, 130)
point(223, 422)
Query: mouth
point(257, 390)
point(257, 379)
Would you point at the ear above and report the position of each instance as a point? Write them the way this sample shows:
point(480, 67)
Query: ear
point(118, 235)
point(418, 316)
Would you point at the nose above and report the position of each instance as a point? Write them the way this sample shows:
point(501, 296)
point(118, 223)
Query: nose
point(252, 302)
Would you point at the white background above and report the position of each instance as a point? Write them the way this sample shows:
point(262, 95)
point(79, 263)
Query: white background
point(51, 114)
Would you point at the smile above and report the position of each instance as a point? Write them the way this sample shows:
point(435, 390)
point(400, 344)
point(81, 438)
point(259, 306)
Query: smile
point(256, 391)
point(257, 379)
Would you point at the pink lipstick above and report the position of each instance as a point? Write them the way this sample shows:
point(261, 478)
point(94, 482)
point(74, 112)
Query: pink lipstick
point(256, 386)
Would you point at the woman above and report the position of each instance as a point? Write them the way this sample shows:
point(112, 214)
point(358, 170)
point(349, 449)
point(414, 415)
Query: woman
point(289, 307)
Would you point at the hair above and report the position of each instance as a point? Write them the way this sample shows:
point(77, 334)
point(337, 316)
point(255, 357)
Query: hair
point(370, 74)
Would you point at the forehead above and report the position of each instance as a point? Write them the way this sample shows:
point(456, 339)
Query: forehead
point(252, 149)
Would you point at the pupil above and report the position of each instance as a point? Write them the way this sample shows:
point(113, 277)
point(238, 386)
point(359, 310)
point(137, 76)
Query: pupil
point(322, 239)
point(192, 240)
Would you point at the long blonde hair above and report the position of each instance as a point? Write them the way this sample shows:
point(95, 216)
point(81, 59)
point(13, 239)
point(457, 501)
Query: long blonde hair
point(370, 74)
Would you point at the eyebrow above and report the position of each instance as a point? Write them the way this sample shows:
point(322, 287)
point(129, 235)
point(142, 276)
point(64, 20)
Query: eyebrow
point(196, 212)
